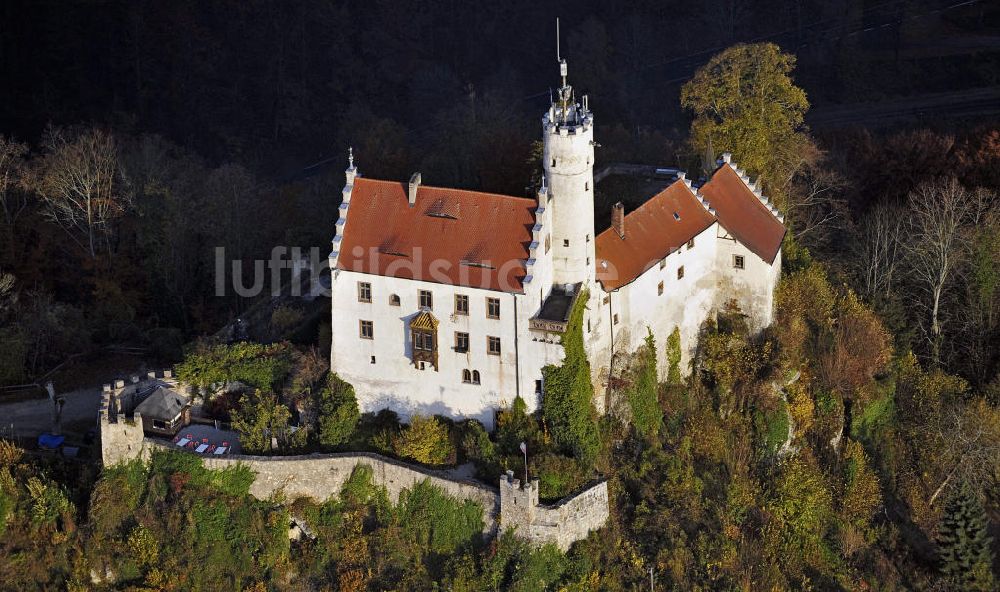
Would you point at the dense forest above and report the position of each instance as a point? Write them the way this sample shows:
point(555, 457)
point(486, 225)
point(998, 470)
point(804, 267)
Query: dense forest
point(853, 445)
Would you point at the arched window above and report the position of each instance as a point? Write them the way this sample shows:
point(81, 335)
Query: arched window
point(466, 376)
point(475, 377)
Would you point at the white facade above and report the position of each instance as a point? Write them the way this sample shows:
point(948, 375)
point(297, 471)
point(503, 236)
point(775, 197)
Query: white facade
point(382, 366)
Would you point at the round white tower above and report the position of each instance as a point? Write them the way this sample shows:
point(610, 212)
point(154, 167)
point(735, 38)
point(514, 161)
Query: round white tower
point(568, 164)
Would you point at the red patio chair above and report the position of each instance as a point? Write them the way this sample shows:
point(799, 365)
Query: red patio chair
point(211, 449)
point(204, 440)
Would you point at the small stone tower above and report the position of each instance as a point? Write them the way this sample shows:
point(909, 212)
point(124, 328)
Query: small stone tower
point(568, 164)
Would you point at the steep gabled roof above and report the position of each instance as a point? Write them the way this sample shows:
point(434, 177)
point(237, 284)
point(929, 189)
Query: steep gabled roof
point(652, 231)
point(743, 214)
point(452, 236)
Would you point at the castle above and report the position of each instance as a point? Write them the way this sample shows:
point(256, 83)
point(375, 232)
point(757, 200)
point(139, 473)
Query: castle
point(447, 301)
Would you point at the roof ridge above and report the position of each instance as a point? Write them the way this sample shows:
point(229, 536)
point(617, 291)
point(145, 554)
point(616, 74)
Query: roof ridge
point(474, 191)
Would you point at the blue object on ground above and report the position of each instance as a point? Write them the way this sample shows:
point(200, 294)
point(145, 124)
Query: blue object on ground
point(50, 441)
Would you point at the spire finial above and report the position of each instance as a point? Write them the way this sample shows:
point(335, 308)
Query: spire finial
point(350, 157)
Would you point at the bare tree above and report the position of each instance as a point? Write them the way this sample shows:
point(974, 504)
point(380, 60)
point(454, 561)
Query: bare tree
point(880, 249)
point(941, 214)
point(13, 198)
point(81, 185)
point(816, 204)
point(968, 441)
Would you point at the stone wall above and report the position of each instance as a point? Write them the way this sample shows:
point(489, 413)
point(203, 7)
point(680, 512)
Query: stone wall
point(568, 521)
point(320, 476)
point(118, 426)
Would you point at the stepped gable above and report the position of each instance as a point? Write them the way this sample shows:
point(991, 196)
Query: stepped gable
point(744, 212)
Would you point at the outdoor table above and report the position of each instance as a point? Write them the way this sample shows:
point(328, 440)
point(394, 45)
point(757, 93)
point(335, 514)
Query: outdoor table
point(201, 448)
point(220, 450)
point(183, 442)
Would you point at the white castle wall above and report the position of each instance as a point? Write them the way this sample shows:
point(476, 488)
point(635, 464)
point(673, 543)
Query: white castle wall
point(394, 382)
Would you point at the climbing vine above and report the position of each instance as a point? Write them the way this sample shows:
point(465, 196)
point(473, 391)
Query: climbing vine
point(568, 404)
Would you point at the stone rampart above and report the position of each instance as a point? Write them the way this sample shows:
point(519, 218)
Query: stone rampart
point(569, 520)
point(320, 476)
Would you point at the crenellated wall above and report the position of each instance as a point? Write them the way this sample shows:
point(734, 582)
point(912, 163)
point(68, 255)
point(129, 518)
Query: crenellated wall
point(562, 524)
point(118, 426)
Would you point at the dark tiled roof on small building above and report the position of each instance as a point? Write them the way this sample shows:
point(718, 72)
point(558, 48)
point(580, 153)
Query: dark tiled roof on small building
point(164, 404)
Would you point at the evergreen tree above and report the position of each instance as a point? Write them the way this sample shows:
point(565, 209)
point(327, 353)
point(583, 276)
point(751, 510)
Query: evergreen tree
point(963, 543)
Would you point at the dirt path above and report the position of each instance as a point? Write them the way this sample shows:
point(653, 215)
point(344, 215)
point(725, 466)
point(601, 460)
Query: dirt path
point(25, 420)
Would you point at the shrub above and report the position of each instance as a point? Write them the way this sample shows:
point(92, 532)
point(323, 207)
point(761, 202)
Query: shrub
point(426, 440)
point(514, 426)
point(260, 366)
point(478, 448)
point(643, 391)
point(558, 476)
point(338, 412)
point(285, 318)
point(434, 520)
point(674, 357)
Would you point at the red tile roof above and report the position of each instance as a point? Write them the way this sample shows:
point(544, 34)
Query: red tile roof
point(652, 231)
point(452, 236)
point(742, 214)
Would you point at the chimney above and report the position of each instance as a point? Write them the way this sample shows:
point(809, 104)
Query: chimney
point(618, 219)
point(727, 157)
point(414, 185)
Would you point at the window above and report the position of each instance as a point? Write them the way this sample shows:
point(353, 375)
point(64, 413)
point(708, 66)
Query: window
point(426, 299)
point(493, 345)
point(364, 292)
point(586, 186)
point(373, 359)
point(607, 299)
point(393, 299)
point(461, 341)
point(739, 262)
point(616, 318)
point(659, 289)
point(663, 263)
point(423, 340)
point(475, 377)
point(548, 242)
point(553, 163)
point(160, 425)
point(565, 242)
point(493, 308)
point(588, 238)
point(367, 329)
point(690, 244)
point(467, 376)
point(461, 304)
point(680, 272)
point(538, 387)
point(588, 325)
